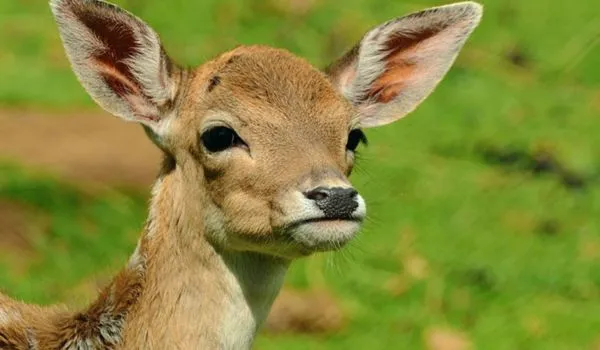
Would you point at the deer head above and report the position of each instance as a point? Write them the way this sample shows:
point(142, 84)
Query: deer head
point(261, 142)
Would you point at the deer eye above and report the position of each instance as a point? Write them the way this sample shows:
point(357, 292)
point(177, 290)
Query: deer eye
point(355, 137)
point(220, 138)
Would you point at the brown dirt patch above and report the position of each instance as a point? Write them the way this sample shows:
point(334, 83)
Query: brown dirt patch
point(84, 147)
point(314, 312)
point(446, 339)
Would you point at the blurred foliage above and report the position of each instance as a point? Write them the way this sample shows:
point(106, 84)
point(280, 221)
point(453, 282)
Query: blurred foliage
point(484, 203)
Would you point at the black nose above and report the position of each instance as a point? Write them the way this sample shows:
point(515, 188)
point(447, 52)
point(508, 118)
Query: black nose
point(335, 202)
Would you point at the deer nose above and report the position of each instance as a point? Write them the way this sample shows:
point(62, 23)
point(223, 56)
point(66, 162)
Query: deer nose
point(335, 202)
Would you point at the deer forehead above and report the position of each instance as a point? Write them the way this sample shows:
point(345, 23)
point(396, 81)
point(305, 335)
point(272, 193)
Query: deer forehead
point(268, 89)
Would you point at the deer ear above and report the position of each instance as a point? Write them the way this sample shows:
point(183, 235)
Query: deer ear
point(398, 64)
point(118, 59)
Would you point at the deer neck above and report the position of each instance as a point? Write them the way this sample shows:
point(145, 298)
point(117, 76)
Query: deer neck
point(194, 294)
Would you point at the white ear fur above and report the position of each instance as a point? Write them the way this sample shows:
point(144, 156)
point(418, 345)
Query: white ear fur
point(399, 63)
point(118, 59)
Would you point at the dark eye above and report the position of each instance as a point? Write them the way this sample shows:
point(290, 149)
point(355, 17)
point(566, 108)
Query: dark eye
point(220, 138)
point(355, 137)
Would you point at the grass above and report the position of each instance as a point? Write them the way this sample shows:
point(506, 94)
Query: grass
point(485, 202)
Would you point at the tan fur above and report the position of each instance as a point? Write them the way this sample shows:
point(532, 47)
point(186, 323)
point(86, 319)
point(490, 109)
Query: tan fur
point(223, 226)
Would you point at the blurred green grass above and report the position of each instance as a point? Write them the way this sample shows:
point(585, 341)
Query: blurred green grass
point(464, 231)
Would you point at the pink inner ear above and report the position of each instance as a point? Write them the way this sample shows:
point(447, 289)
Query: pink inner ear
point(389, 85)
point(400, 64)
point(117, 81)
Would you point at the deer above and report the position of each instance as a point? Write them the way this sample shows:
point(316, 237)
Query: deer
point(258, 146)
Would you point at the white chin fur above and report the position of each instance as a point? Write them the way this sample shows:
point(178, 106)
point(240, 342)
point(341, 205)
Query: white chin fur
point(325, 235)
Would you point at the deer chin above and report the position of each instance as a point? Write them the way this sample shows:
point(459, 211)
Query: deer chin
point(322, 235)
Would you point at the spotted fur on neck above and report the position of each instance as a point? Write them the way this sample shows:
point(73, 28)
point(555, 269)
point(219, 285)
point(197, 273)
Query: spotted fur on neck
point(100, 326)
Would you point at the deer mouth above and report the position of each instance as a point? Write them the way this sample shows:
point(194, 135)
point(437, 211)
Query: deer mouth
point(332, 220)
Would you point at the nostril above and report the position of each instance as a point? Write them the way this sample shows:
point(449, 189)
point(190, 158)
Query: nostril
point(318, 194)
point(351, 193)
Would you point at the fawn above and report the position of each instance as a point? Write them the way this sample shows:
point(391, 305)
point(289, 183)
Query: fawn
point(258, 146)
